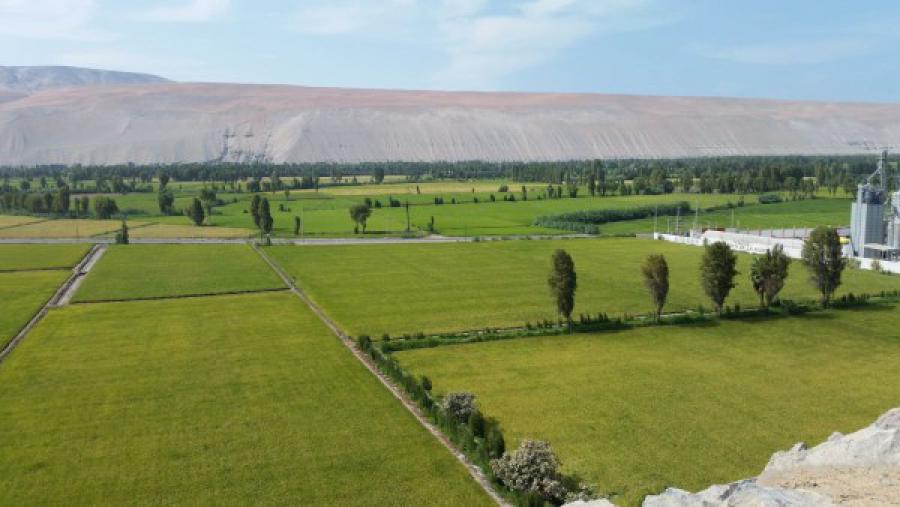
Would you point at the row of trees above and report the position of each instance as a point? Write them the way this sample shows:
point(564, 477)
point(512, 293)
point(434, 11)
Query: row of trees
point(759, 173)
point(59, 202)
point(822, 255)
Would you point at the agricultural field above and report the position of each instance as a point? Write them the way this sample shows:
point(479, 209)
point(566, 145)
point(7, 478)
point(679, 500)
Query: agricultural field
point(18, 257)
point(186, 231)
point(15, 220)
point(790, 215)
point(408, 288)
point(242, 399)
point(62, 228)
point(155, 271)
point(23, 293)
point(687, 406)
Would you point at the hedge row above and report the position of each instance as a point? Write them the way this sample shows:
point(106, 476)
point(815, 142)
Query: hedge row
point(588, 221)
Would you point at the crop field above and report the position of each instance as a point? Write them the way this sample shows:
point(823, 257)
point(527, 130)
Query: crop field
point(61, 228)
point(688, 406)
point(14, 220)
point(22, 294)
point(795, 214)
point(153, 271)
point(223, 400)
point(375, 289)
point(18, 257)
point(186, 231)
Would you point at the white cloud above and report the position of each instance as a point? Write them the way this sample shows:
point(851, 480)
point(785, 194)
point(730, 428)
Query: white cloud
point(49, 19)
point(486, 48)
point(189, 12)
point(348, 16)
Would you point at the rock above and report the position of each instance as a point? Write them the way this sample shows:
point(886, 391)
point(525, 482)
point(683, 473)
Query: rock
point(742, 493)
point(858, 469)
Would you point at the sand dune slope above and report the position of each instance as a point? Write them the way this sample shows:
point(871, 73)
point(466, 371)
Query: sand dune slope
point(182, 122)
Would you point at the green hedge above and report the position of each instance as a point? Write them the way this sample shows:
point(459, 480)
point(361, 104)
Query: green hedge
point(588, 221)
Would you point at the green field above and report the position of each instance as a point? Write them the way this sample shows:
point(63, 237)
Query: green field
point(61, 228)
point(796, 214)
point(16, 257)
point(687, 406)
point(153, 271)
point(375, 289)
point(224, 400)
point(22, 294)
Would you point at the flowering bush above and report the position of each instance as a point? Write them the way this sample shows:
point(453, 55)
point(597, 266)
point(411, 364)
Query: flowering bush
point(459, 406)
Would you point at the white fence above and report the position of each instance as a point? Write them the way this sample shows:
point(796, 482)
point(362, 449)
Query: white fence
point(759, 244)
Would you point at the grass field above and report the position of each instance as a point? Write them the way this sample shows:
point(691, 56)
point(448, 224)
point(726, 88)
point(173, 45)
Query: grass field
point(22, 294)
point(152, 271)
point(796, 214)
point(15, 257)
point(687, 406)
point(186, 231)
point(61, 228)
point(375, 289)
point(223, 400)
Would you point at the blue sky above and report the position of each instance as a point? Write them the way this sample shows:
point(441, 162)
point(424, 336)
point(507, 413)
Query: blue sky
point(824, 50)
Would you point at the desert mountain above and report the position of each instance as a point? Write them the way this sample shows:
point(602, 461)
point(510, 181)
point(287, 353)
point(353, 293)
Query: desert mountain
point(25, 80)
point(191, 122)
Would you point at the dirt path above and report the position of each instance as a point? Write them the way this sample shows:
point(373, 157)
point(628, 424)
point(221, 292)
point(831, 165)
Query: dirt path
point(53, 302)
point(473, 469)
point(80, 272)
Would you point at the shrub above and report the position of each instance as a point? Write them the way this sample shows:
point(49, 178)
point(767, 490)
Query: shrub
point(531, 469)
point(426, 383)
point(770, 199)
point(503, 189)
point(476, 423)
point(459, 406)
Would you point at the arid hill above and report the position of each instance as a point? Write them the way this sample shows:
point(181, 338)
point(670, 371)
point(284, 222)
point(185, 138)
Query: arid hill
point(191, 122)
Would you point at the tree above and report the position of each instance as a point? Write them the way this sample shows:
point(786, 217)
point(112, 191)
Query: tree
point(194, 211)
point(378, 175)
point(717, 272)
point(768, 273)
point(122, 234)
point(359, 213)
point(266, 222)
point(84, 204)
point(823, 256)
point(105, 207)
point(254, 209)
point(166, 201)
point(655, 270)
point(163, 180)
point(297, 224)
point(563, 282)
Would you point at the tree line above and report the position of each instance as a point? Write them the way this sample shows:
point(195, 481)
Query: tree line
point(822, 255)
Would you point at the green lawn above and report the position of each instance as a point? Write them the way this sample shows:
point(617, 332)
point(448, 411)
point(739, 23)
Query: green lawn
point(15, 257)
point(225, 400)
point(152, 271)
point(22, 294)
point(687, 406)
point(375, 289)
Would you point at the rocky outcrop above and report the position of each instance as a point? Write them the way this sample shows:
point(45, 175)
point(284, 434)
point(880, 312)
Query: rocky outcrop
point(859, 469)
point(194, 122)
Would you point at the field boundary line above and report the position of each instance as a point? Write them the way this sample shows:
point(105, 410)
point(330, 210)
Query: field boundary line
point(25, 270)
point(181, 296)
point(13, 226)
point(473, 469)
point(48, 304)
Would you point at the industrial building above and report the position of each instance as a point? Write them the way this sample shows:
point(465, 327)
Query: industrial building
point(875, 219)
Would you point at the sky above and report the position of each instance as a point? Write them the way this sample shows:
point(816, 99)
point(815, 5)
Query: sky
point(791, 49)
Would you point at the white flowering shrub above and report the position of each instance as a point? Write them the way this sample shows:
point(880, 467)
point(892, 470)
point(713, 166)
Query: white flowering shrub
point(459, 406)
point(532, 468)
